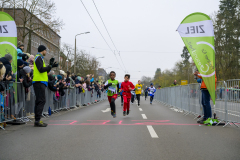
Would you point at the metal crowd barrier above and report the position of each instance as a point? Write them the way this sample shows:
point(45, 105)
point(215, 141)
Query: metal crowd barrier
point(188, 98)
point(20, 108)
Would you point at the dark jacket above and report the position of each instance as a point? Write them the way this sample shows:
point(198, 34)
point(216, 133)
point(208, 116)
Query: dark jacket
point(51, 82)
point(7, 65)
point(26, 80)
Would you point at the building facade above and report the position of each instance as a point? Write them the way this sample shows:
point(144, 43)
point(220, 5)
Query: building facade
point(32, 32)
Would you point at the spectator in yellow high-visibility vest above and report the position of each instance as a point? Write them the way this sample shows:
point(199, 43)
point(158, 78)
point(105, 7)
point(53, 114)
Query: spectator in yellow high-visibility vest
point(40, 82)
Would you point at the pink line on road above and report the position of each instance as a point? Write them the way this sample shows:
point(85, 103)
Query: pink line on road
point(120, 123)
point(73, 122)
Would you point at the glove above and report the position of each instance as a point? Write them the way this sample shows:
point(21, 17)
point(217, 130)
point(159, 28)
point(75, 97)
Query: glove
point(55, 64)
point(52, 61)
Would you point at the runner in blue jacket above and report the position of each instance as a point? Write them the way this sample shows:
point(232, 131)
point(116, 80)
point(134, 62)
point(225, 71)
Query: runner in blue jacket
point(151, 90)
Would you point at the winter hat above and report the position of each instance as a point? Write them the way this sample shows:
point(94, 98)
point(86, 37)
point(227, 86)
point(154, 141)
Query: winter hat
point(20, 44)
point(31, 57)
point(59, 77)
point(27, 69)
point(41, 48)
point(8, 57)
point(151, 84)
point(19, 62)
point(25, 57)
point(79, 78)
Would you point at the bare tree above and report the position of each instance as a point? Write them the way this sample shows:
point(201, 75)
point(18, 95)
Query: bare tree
point(36, 16)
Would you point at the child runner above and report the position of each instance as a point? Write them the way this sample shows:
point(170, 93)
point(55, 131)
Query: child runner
point(138, 91)
point(126, 87)
point(113, 87)
point(152, 90)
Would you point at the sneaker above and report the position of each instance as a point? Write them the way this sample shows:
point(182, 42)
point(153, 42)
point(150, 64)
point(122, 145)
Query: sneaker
point(114, 115)
point(40, 124)
point(128, 112)
point(124, 113)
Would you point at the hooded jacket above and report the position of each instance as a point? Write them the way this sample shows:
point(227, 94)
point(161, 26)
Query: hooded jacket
point(19, 53)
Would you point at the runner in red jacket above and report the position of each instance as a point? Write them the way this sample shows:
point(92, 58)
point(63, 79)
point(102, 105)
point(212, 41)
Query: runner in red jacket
point(126, 87)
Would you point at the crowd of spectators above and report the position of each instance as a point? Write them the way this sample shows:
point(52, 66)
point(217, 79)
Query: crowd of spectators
point(57, 83)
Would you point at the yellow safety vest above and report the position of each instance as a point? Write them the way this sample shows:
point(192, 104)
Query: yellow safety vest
point(37, 76)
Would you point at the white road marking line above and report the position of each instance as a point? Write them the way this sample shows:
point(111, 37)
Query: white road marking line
point(144, 116)
point(152, 132)
point(140, 109)
point(107, 110)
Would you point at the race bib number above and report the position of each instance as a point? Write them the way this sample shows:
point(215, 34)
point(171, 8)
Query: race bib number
point(111, 88)
point(139, 88)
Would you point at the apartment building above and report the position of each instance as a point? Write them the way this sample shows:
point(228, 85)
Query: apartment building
point(41, 33)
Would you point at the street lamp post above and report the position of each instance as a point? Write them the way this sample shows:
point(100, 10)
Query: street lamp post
point(76, 50)
point(67, 64)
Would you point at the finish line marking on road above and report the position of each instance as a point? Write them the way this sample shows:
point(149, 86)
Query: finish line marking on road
point(119, 123)
point(140, 109)
point(144, 116)
point(152, 132)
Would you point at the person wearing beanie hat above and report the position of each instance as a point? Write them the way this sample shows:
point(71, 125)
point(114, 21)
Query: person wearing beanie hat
point(41, 48)
point(20, 50)
point(7, 60)
point(26, 78)
point(59, 77)
point(27, 69)
point(25, 57)
point(40, 82)
point(20, 63)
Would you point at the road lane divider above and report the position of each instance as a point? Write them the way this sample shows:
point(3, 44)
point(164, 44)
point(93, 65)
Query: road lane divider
point(152, 132)
point(144, 116)
point(140, 109)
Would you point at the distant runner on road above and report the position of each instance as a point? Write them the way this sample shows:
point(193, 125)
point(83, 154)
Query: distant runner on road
point(152, 90)
point(138, 91)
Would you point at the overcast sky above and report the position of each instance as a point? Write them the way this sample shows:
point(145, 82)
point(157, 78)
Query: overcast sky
point(144, 31)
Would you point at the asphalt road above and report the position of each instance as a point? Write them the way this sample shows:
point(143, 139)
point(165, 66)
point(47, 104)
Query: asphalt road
point(153, 132)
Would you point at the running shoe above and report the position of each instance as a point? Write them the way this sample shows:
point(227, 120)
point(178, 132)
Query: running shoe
point(128, 112)
point(114, 115)
point(40, 124)
point(124, 113)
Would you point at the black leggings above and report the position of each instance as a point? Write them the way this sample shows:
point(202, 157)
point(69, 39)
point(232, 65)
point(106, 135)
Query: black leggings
point(146, 94)
point(121, 99)
point(132, 98)
point(112, 105)
point(138, 98)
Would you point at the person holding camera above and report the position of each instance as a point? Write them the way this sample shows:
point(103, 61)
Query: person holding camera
point(40, 82)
